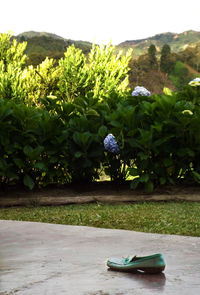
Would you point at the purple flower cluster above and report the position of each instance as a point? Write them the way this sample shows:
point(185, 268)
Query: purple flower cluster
point(110, 144)
point(140, 91)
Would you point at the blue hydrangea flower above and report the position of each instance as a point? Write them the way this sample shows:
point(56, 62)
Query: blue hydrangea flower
point(110, 144)
point(140, 91)
point(195, 82)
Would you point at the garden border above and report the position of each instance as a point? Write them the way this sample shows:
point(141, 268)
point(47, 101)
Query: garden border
point(99, 192)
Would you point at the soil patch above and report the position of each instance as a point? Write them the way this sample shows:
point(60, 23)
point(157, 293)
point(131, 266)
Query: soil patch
point(104, 192)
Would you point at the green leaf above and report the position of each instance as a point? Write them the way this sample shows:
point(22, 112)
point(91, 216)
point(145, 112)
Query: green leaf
point(171, 180)
point(78, 154)
point(107, 171)
point(68, 108)
point(162, 180)
point(146, 136)
point(76, 138)
point(196, 176)
point(85, 137)
point(28, 181)
point(3, 164)
point(162, 140)
point(7, 113)
point(40, 166)
point(102, 131)
point(134, 183)
point(28, 150)
point(133, 171)
point(143, 156)
point(144, 178)
point(116, 124)
point(185, 152)
point(167, 162)
point(12, 174)
point(92, 112)
point(19, 162)
point(53, 159)
point(133, 143)
point(149, 186)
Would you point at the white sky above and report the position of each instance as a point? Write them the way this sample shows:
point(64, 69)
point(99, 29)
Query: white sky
point(100, 21)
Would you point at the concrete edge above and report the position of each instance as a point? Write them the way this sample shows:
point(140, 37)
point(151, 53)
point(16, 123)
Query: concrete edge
point(85, 199)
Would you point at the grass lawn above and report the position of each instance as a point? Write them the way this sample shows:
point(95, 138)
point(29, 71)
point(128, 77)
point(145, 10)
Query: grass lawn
point(180, 218)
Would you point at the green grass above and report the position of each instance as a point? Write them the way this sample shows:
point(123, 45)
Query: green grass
point(181, 218)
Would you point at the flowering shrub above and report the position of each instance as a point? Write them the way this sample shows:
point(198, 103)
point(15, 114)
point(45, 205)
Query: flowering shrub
point(159, 142)
point(110, 144)
point(78, 104)
point(99, 75)
point(195, 82)
point(140, 91)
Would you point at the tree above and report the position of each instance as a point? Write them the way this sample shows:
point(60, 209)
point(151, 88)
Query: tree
point(100, 75)
point(12, 64)
point(166, 60)
point(152, 57)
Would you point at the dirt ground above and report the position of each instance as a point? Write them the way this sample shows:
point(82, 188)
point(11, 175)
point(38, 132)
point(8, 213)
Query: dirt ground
point(104, 192)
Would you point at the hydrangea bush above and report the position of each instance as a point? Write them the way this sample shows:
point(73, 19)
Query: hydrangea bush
point(195, 82)
point(140, 91)
point(110, 144)
point(113, 164)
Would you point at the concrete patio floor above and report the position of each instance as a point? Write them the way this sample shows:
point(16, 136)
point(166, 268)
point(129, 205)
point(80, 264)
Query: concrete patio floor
point(38, 258)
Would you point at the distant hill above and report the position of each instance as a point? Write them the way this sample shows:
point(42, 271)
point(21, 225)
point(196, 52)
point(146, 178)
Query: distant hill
point(42, 44)
point(31, 34)
point(177, 42)
point(40, 36)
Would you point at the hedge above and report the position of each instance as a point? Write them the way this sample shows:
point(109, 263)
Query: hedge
point(158, 138)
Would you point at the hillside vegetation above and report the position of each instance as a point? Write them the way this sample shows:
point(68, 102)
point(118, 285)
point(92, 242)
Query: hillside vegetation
point(177, 42)
point(179, 67)
point(184, 56)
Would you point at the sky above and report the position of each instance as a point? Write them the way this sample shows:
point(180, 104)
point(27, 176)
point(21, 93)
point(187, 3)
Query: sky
point(100, 21)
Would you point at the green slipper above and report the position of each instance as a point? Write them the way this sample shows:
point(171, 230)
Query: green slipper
point(150, 264)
